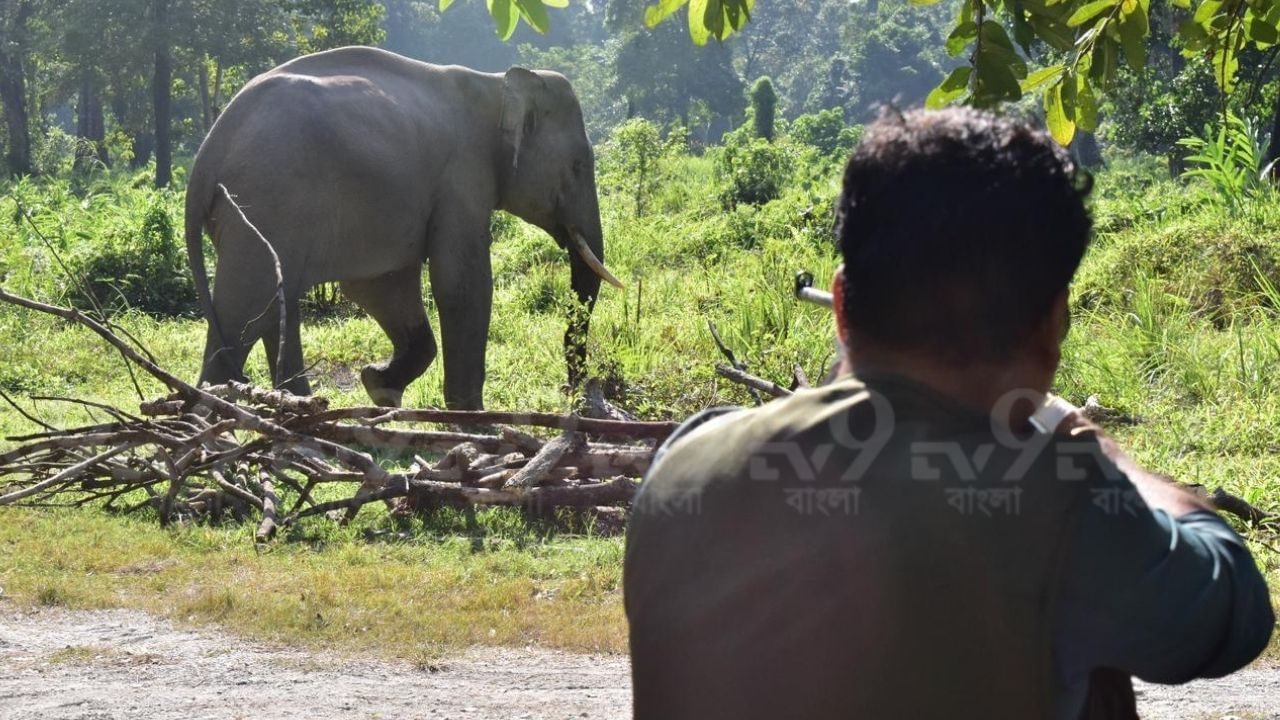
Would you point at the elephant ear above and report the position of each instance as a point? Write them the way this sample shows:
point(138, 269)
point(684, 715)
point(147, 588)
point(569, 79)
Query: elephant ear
point(519, 108)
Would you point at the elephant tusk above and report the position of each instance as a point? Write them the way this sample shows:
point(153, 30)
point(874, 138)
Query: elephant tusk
point(593, 262)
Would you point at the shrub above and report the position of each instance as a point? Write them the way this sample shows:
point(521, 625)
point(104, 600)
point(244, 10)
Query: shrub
point(827, 131)
point(754, 172)
point(141, 270)
point(1218, 267)
point(631, 161)
point(1230, 160)
point(53, 153)
point(764, 105)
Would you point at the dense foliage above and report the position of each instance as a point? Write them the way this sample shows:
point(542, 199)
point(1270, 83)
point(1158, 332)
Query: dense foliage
point(100, 83)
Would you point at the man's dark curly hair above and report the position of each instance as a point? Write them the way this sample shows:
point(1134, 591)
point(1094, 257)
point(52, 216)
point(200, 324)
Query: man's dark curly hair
point(958, 229)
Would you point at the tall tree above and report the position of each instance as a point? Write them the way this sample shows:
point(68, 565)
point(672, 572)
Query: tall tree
point(91, 124)
point(328, 24)
point(15, 42)
point(895, 52)
point(162, 90)
point(793, 42)
point(665, 77)
point(98, 47)
point(229, 35)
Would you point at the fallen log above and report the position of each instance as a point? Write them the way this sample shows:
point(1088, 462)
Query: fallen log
point(539, 465)
point(571, 423)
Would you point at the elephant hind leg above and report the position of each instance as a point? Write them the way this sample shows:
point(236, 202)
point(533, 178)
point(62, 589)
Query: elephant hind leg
point(245, 308)
point(287, 372)
point(394, 300)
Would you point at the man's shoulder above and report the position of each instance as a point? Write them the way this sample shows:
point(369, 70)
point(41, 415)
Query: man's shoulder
point(722, 437)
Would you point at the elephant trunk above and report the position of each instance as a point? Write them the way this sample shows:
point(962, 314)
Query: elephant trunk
point(586, 264)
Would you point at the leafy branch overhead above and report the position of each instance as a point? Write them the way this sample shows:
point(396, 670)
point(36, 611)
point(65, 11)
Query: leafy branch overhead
point(1081, 44)
point(707, 18)
point(508, 13)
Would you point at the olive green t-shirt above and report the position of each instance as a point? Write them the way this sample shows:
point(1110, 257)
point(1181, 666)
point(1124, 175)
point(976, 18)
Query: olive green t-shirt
point(871, 550)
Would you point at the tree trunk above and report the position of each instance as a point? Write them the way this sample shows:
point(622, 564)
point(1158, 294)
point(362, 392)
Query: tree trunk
point(1273, 148)
point(202, 82)
point(13, 91)
point(162, 91)
point(90, 125)
point(130, 110)
point(217, 92)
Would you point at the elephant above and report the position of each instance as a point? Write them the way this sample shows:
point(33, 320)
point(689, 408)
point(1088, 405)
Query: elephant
point(360, 166)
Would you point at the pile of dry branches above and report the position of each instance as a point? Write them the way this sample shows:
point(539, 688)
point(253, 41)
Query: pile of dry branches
point(229, 451)
point(202, 454)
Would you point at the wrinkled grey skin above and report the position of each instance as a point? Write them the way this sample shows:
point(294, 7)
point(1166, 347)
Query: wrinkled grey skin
point(359, 165)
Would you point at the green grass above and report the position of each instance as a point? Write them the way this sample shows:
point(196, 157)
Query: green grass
point(324, 587)
point(1176, 322)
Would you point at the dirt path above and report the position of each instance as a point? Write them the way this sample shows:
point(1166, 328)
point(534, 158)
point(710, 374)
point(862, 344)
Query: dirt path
point(119, 664)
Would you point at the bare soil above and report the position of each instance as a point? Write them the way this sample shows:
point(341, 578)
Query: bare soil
point(122, 664)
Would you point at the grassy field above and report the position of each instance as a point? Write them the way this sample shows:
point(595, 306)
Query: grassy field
point(1177, 322)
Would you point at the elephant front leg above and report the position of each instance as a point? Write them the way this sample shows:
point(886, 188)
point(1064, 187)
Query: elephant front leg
point(462, 284)
point(395, 302)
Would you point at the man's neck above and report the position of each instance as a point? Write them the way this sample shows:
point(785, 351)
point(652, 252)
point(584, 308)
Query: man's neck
point(981, 387)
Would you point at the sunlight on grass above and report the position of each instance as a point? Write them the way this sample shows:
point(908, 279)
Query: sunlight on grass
point(393, 599)
point(1176, 320)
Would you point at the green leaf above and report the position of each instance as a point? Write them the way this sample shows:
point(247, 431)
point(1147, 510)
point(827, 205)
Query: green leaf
point(952, 88)
point(444, 4)
point(535, 14)
point(997, 82)
point(713, 19)
point(697, 22)
point(1056, 34)
point(1061, 127)
point(1023, 34)
point(1102, 66)
point(1184, 4)
point(505, 17)
point(925, 2)
point(1226, 62)
point(733, 14)
point(1207, 11)
point(998, 50)
point(1086, 109)
point(1042, 77)
point(1133, 37)
point(1089, 11)
point(960, 37)
point(655, 14)
point(558, 4)
point(1193, 36)
point(1263, 29)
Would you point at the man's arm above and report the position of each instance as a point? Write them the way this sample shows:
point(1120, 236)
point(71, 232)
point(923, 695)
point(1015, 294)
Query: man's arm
point(1157, 491)
point(1163, 589)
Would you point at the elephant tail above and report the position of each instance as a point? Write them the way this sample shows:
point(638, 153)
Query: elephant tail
point(199, 203)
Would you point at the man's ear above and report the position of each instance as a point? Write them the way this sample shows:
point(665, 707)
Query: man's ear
point(837, 306)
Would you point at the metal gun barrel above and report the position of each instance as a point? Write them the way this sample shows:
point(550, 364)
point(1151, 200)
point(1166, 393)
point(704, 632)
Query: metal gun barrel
point(806, 291)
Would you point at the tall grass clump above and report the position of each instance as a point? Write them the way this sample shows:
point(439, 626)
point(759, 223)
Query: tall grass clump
point(1231, 160)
